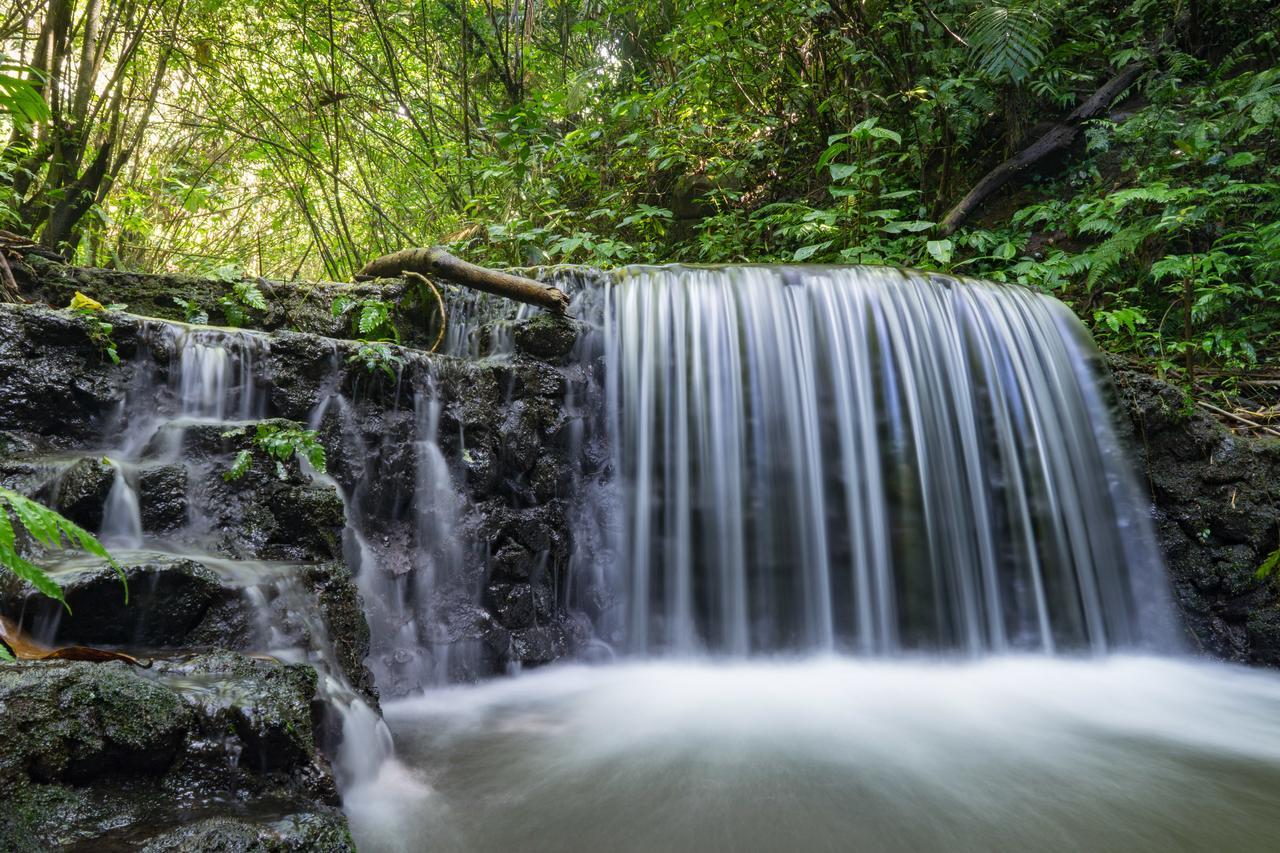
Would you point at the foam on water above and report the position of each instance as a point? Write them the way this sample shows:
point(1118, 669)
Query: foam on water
point(1009, 753)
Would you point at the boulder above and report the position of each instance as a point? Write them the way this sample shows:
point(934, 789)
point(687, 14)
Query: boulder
point(168, 599)
point(113, 755)
point(162, 498)
point(546, 336)
point(315, 832)
point(82, 490)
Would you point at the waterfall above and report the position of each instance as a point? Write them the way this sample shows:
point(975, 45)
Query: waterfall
point(121, 514)
point(865, 460)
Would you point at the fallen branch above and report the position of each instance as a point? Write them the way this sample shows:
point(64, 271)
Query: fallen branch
point(1240, 419)
point(437, 262)
point(9, 291)
point(1060, 137)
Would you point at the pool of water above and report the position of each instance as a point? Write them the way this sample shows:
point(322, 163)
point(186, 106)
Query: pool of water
point(1019, 753)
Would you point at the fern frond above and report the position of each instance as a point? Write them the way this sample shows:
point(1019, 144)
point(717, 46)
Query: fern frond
point(1009, 40)
point(50, 529)
point(1110, 252)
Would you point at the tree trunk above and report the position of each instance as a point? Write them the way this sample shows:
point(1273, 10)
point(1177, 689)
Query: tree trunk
point(1059, 138)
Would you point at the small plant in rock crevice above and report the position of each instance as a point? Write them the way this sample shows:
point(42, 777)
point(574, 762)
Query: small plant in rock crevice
point(191, 311)
point(245, 296)
point(99, 330)
point(377, 357)
point(370, 318)
point(279, 443)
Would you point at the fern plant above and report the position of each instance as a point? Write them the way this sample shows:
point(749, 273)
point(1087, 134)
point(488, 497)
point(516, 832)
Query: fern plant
point(50, 529)
point(377, 357)
point(279, 443)
point(1010, 39)
point(244, 296)
point(370, 318)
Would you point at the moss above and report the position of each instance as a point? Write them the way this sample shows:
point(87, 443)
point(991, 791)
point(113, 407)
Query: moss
point(546, 336)
point(321, 832)
point(65, 720)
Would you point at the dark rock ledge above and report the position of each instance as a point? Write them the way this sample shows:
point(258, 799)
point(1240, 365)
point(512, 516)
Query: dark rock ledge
point(1216, 499)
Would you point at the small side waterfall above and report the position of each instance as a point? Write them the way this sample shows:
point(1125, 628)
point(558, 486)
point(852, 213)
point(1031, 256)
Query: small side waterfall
point(219, 380)
point(122, 515)
point(867, 460)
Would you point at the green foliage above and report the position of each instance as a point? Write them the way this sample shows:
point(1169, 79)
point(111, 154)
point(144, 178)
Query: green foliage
point(279, 443)
point(51, 530)
point(20, 97)
point(791, 131)
point(244, 298)
point(371, 319)
point(377, 358)
point(1269, 565)
point(1009, 40)
point(191, 311)
point(99, 329)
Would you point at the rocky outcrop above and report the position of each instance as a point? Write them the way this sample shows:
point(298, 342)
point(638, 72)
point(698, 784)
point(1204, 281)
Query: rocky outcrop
point(108, 753)
point(290, 305)
point(168, 600)
point(455, 469)
point(1216, 497)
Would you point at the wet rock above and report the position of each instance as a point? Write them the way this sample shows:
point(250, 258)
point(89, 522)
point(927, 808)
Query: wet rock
point(300, 366)
point(74, 721)
point(113, 755)
point(267, 705)
point(168, 598)
point(261, 515)
point(321, 832)
point(520, 605)
point(1216, 497)
point(82, 492)
point(539, 529)
point(163, 498)
point(342, 609)
point(546, 336)
point(54, 381)
point(513, 561)
point(535, 646)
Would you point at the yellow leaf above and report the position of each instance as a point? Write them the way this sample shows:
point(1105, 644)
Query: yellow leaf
point(80, 302)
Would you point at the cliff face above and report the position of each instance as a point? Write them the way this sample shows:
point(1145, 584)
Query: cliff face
point(1216, 500)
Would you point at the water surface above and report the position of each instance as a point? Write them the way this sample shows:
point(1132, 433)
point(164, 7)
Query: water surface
point(1017, 753)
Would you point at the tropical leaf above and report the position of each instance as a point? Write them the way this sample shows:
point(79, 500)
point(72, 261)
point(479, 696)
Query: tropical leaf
point(1009, 40)
point(50, 529)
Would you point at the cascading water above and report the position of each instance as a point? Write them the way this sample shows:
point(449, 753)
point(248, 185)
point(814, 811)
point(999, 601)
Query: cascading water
point(217, 380)
point(868, 460)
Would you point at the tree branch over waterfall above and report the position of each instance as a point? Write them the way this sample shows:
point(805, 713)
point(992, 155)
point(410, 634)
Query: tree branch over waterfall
point(436, 261)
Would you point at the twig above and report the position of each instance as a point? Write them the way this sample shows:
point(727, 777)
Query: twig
point(1224, 413)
